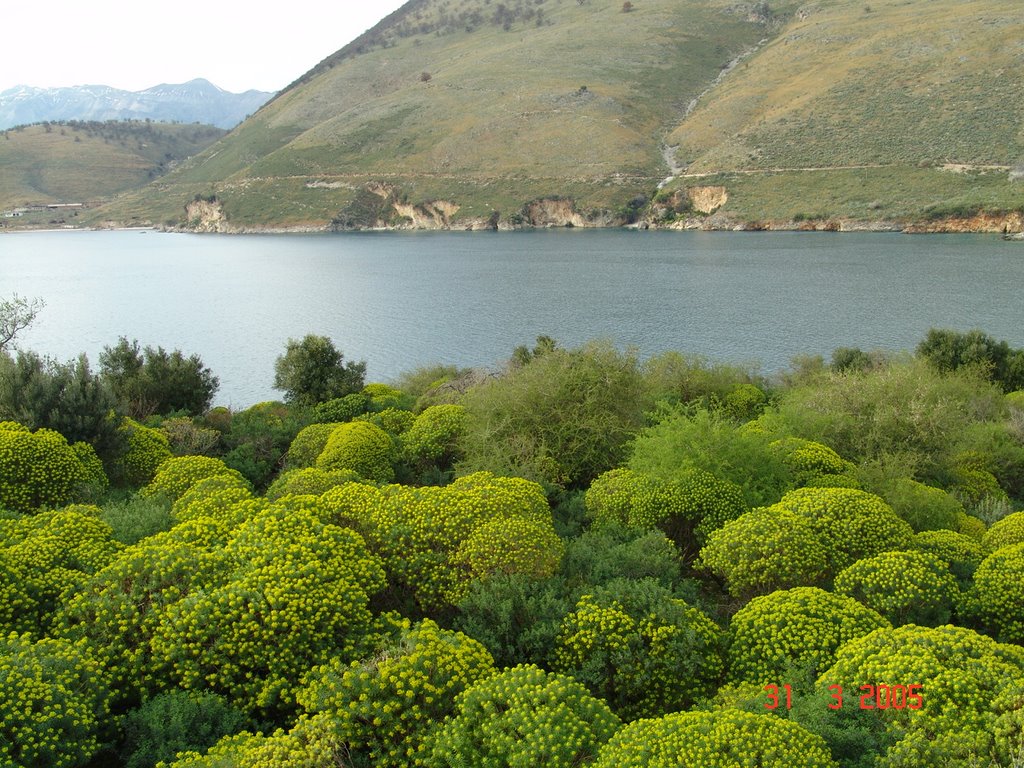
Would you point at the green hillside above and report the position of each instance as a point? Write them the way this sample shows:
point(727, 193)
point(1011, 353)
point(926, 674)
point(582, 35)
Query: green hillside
point(90, 162)
point(472, 113)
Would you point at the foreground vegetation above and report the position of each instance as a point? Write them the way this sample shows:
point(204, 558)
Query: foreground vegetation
point(583, 559)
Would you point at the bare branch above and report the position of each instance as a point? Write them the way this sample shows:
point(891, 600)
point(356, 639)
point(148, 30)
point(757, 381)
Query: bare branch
point(17, 314)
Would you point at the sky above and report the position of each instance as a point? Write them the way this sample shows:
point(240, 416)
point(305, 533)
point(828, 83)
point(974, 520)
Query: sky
point(136, 45)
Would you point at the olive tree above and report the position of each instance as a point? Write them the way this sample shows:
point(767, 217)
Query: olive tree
point(314, 371)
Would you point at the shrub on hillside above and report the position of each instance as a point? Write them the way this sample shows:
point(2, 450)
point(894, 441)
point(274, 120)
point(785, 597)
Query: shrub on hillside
point(720, 739)
point(524, 716)
point(153, 381)
point(765, 550)
point(37, 469)
point(54, 703)
point(313, 371)
point(907, 587)
point(385, 707)
point(795, 629)
point(361, 447)
point(639, 648)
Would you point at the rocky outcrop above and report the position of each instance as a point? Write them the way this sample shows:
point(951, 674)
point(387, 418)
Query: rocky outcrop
point(707, 199)
point(997, 223)
point(436, 214)
point(560, 212)
point(205, 215)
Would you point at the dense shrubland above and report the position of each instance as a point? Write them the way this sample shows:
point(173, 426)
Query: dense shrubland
point(580, 558)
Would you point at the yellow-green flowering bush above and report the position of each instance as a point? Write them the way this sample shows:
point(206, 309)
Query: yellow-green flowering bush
point(764, 550)
point(18, 609)
point(381, 397)
point(310, 480)
point(971, 526)
point(308, 444)
point(210, 496)
point(638, 648)
point(725, 738)
point(176, 475)
point(118, 610)
point(433, 439)
point(297, 595)
point(419, 532)
point(511, 545)
point(999, 592)
point(907, 587)
point(808, 460)
point(687, 510)
point(794, 628)
point(974, 484)
point(37, 469)
point(395, 421)
point(524, 716)
point(505, 495)
point(362, 447)
point(384, 707)
point(94, 477)
point(229, 506)
point(352, 505)
point(1003, 533)
point(147, 449)
point(55, 551)
point(960, 673)
point(52, 703)
point(341, 409)
point(851, 524)
point(962, 553)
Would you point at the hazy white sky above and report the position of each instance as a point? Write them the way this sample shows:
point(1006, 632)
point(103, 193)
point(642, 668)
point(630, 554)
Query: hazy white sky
point(134, 45)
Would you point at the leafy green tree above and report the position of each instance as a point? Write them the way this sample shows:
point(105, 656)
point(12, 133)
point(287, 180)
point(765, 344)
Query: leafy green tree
point(65, 397)
point(524, 716)
point(905, 408)
point(700, 439)
point(384, 708)
point(640, 649)
point(153, 381)
point(314, 371)
point(794, 629)
point(950, 350)
point(721, 739)
point(562, 419)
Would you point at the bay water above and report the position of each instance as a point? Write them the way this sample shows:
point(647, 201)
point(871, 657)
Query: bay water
point(400, 300)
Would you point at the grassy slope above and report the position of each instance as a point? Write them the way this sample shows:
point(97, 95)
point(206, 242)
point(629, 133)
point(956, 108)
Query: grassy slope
point(867, 99)
point(499, 105)
point(88, 162)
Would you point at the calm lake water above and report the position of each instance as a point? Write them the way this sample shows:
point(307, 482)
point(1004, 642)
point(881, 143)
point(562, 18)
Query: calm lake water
point(399, 300)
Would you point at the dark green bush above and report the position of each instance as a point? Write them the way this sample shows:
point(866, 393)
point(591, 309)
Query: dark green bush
point(177, 721)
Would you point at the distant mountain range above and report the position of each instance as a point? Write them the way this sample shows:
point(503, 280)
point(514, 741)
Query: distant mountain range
point(197, 101)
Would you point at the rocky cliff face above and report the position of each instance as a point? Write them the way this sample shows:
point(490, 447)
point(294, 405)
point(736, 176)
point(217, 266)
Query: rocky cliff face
point(206, 216)
point(998, 223)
